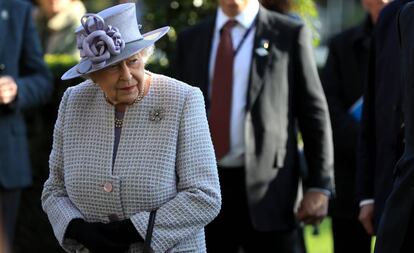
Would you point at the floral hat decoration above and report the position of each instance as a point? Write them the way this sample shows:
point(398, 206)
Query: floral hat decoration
point(109, 37)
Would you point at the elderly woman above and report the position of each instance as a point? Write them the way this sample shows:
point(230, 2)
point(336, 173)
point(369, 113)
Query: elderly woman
point(127, 142)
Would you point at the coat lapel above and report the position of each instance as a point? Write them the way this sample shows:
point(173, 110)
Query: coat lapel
point(261, 56)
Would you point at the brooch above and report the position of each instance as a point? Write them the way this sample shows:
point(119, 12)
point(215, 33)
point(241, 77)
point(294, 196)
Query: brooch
point(262, 50)
point(156, 114)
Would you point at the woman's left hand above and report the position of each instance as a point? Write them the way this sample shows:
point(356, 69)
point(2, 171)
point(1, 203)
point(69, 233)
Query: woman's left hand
point(94, 236)
point(122, 232)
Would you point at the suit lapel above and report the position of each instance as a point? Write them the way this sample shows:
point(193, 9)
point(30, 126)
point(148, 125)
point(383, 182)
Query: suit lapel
point(203, 57)
point(204, 53)
point(260, 56)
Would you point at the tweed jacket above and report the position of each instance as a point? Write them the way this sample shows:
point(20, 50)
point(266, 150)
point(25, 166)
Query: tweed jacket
point(164, 162)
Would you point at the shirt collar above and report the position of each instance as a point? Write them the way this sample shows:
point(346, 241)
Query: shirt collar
point(245, 18)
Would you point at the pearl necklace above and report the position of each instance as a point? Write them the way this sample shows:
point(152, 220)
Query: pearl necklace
point(119, 122)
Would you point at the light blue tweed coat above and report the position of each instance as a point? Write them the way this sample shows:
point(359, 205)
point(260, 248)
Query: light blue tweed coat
point(164, 162)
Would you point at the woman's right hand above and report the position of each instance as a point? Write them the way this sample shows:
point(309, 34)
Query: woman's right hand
point(93, 236)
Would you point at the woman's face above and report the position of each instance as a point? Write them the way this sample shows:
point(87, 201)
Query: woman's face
point(122, 83)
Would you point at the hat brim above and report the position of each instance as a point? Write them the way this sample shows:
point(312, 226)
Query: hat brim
point(130, 49)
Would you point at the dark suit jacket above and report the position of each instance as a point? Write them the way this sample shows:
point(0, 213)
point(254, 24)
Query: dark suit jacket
point(400, 204)
point(343, 79)
point(382, 121)
point(284, 89)
point(21, 58)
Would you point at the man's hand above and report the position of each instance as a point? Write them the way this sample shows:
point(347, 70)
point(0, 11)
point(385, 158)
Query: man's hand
point(313, 207)
point(8, 90)
point(366, 217)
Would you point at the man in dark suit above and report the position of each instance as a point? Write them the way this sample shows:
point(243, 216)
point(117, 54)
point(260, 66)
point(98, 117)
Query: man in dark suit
point(24, 83)
point(343, 78)
point(271, 84)
point(382, 133)
point(396, 228)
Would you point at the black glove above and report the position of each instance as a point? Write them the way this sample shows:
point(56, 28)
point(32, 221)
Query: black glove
point(122, 232)
point(94, 236)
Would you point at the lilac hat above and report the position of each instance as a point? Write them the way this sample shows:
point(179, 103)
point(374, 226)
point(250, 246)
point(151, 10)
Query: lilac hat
point(109, 37)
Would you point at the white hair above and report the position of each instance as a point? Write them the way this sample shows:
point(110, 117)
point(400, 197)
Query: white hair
point(147, 52)
point(144, 53)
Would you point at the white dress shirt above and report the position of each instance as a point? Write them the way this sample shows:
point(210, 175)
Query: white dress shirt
point(241, 73)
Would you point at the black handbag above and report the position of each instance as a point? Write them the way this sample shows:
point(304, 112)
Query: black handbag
point(148, 236)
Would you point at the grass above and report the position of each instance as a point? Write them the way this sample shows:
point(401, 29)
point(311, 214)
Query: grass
point(323, 242)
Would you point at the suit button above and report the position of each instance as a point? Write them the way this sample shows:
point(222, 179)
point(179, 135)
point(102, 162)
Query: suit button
point(113, 217)
point(2, 66)
point(108, 187)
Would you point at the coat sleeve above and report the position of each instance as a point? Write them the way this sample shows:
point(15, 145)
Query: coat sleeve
point(367, 144)
point(34, 81)
point(55, 201)
point(313, 116)
point(344, 126)
point(198, 199)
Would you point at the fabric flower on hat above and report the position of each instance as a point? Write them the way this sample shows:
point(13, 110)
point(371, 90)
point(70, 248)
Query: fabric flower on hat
point(99, 42)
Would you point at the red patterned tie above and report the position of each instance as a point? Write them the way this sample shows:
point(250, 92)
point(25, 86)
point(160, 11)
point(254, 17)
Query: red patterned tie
point(220, 109)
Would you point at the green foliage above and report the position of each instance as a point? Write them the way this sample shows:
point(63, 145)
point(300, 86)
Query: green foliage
point(60, 63)
point(323, 242)
point(307, 10)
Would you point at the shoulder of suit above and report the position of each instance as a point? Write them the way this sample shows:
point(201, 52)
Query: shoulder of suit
point(199, 27)
point(281, 20)
point(344, 36)
point(390, 11)
point(407, 11)
point(169, 85)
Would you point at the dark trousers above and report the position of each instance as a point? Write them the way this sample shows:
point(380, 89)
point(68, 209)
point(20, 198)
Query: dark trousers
point(349, 236)
point(9, 203)
point(232, 229)
point(408, 244)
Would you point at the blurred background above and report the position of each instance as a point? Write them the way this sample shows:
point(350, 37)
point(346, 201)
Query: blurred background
point(34, 234)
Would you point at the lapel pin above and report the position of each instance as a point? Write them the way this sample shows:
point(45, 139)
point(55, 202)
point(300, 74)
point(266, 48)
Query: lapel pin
point(157, 114)
point(263, 48)
point(4, 14)
point(265, 43)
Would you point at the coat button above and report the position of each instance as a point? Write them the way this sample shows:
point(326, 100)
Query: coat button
point(2, 66)
point(108, 187)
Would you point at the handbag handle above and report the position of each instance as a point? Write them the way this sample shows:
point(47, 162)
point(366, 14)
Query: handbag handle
point(150, 227)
